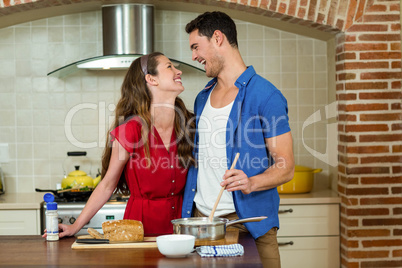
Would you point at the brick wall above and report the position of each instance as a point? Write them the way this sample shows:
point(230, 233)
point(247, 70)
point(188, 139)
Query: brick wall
point(368, 83)
point(369, 93)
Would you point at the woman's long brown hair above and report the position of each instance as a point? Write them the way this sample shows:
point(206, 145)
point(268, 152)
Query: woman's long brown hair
point(136, 101)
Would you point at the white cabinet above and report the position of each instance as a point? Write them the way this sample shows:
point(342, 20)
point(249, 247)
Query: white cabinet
point(20, 222)
point(309, 235)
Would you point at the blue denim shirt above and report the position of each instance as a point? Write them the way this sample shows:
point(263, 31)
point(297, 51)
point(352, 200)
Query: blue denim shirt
point(259, 111)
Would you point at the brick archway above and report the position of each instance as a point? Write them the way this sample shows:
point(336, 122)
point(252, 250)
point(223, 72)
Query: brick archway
point(324, 15)
point(368, 86)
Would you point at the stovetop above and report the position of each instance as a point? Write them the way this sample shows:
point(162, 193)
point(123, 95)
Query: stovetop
point(68, 212)
point(80, 199)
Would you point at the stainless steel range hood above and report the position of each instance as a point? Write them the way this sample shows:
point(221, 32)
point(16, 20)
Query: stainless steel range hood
point(128, 33)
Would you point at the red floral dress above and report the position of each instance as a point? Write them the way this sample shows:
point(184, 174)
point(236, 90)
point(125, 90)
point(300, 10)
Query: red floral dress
point(156, 190)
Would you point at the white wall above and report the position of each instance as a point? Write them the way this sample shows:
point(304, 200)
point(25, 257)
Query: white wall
point(34, 107)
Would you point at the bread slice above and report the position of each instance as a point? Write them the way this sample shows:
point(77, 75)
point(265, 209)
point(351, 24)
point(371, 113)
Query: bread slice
point(123, 230)
point(95, 234)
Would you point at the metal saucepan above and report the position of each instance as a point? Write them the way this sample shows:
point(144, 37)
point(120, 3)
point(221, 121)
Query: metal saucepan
point(203, 229)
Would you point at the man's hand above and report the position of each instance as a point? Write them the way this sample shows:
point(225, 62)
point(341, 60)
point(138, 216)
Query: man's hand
point(281, 150)
point(236, 179)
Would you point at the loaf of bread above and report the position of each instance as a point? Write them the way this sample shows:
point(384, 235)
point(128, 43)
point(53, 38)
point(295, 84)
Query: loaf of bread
point(123, 230)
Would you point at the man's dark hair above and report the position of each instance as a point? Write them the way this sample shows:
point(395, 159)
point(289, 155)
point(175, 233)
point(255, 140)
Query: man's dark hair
point(209, 22)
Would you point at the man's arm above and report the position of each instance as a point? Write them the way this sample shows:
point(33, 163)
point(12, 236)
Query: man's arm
point(281, 150)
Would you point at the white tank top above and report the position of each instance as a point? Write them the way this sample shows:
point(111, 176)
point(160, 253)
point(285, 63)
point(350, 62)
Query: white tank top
point(212, 160)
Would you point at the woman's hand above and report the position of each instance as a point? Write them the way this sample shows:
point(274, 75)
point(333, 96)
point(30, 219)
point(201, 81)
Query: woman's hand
point(64, 230)
point(67, 230)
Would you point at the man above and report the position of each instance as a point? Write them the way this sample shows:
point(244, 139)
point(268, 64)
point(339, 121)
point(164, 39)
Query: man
point(238, 111)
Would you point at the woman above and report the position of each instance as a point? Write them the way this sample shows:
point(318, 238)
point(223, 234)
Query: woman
point(149, 151)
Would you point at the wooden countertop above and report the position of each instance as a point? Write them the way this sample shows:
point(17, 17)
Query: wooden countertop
point(35, 250)
point(33, 200)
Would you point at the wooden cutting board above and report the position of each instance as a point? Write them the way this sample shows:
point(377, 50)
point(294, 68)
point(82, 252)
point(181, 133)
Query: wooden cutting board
point(149, 242)
point(232, 237)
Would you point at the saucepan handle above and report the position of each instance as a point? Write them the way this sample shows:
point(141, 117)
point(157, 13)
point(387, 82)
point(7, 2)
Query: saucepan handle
point(246, 220)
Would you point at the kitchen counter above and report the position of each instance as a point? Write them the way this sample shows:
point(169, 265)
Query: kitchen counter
point(34, 250)
point(20, 212)
point(324, 196)
point(21, 200)
point(33, 200)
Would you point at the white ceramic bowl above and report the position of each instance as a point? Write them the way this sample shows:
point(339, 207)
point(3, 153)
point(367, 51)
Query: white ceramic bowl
point(175, 245)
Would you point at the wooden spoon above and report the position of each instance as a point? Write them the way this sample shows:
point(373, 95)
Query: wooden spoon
point(71, 189)
point(211, 216)
point(65, 190)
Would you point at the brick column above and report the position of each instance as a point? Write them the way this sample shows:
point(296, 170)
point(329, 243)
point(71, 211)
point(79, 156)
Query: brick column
point(368, 86)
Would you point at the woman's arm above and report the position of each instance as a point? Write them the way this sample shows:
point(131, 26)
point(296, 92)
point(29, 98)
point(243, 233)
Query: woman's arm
point(102, 192)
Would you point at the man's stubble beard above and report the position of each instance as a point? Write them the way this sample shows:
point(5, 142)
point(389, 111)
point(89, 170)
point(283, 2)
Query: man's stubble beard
point(216, 67)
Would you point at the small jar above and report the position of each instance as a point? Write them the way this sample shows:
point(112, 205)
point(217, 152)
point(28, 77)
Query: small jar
point(52, 218)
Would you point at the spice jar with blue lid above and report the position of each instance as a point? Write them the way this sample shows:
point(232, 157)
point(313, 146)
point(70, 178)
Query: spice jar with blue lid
point(52, 218)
